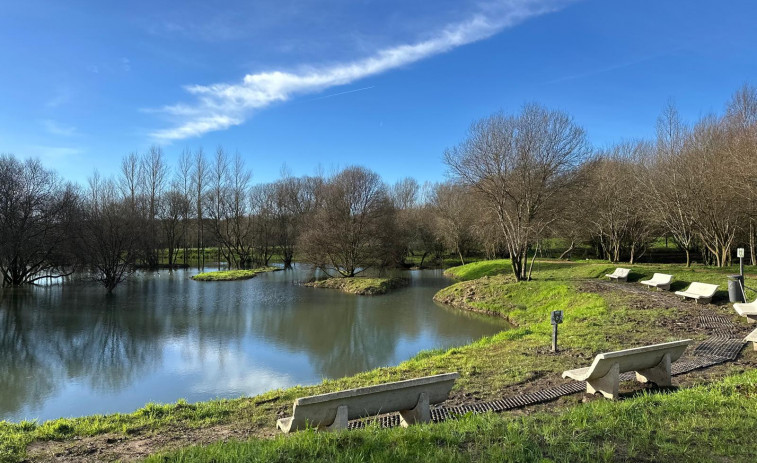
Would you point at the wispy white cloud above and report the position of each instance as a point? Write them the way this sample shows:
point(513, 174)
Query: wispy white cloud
point(223, 105)
point(56, 128)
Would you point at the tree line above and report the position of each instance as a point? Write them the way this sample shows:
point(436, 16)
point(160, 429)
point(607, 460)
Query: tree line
point(517, 180)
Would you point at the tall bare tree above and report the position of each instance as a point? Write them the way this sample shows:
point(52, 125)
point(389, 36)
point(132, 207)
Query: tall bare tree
point(37, 212)
point(353, 228)
point(520, 164)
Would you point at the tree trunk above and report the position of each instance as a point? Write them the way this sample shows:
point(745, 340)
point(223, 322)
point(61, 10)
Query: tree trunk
point(568, 251)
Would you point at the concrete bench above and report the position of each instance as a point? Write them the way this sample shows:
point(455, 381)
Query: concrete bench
point(620, 274)
point(753, 338)
point(411, 398)
point(651, 364)
point(700, 292)
point(659, 281)
point(748, 310)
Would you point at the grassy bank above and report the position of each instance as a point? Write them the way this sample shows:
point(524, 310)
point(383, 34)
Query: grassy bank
point(361, 285)
point(597, 318)
point(705, 423)
point(232, 275)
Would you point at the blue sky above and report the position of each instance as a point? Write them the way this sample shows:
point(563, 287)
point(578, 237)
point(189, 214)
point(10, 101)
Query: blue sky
point(386, 84)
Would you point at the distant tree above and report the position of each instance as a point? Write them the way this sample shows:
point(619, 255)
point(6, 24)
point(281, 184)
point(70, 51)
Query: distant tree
point(173, 207)
point(456, 216)
point(229, 209)
point(154, 179)
point(618, 212)
point(109, 235)
point(37, 212)
point(520, 165)
point(672, 181)
point(352, 227)
point(200, 173)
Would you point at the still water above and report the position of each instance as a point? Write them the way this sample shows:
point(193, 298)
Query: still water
point(71, 350)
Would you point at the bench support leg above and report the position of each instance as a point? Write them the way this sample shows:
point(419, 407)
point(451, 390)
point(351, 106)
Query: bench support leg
point(340, 420)
point(420, 414)
point(607, 385)
point(660, 374)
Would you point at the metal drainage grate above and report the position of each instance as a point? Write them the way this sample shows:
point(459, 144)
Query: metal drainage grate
point(710, 352)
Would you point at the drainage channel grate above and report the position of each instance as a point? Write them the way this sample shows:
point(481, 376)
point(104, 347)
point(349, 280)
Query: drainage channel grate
point(727, 348)
point(710, 352)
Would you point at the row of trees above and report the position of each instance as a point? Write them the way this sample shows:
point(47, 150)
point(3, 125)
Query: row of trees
point(517, 180)
point(151, 215)
point(536, 177)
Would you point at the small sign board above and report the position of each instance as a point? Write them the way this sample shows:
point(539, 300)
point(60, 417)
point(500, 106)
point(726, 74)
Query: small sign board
point(556, 317)
point(740, 252)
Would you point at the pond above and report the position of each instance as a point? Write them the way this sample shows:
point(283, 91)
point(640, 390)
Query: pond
point(71, 350)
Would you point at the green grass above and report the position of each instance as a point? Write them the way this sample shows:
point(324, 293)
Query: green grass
point(705, 423)
point(580, 270)
point(361, 285)
point(232, 275)
point(594, 322)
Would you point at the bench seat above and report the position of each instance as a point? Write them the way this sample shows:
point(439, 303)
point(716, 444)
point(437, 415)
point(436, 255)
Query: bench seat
point(620, 274)
point(651, 364)
point(748, 310)
point(659, 281)
point(700, 292)
point(331, 411)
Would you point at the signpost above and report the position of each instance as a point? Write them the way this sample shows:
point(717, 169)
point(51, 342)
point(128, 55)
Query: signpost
point(740, 254)
point(556, 319)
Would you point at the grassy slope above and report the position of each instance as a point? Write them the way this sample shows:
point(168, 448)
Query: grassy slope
point(232, 275)
point(660, 427)
point(361, 285)
point(486, 366)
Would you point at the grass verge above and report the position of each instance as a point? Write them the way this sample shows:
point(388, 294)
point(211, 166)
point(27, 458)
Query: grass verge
point(233, 275)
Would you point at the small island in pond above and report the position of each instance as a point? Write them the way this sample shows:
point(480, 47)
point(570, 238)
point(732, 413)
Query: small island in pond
point(361, 285)
point(233, 275)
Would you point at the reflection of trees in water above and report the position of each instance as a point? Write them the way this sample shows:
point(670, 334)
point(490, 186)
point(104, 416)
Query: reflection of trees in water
point(22, 379)
point(44, 349)
point(344, 334)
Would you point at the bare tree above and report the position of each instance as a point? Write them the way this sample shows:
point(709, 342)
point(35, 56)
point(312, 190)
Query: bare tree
point(519, 165)
point(200, 172)
point(456, 215)
point(672, 180)
point(109, 235)
point(36, 216)
point(154, 178)
point(352, 229)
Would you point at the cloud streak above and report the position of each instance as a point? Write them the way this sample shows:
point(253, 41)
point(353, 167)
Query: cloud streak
point(223, 105)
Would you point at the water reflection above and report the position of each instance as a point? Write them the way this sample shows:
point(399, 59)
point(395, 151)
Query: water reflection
point(72, 350)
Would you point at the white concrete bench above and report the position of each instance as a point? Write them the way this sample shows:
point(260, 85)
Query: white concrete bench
point(331, 411)
point(700, 292)
point(748, 310)
point(659, 281)
point(753, 338)
point(651, 364)
point(620, 274)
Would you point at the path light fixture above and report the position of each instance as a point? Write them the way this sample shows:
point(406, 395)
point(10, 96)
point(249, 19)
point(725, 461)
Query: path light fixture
point(556, 319)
